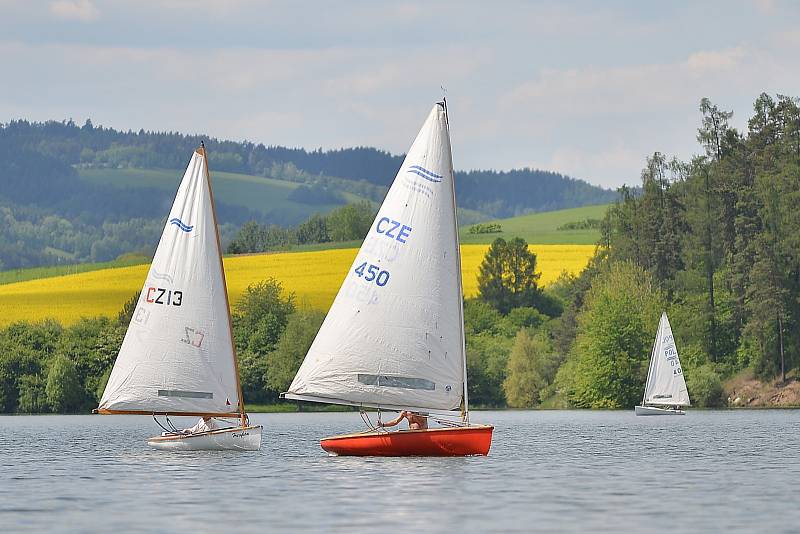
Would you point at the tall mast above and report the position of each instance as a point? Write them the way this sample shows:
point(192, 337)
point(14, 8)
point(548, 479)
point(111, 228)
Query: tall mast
point(465, 409)
point(202, 152)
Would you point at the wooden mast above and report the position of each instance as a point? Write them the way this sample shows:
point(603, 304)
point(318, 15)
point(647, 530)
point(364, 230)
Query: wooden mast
point(202, 152)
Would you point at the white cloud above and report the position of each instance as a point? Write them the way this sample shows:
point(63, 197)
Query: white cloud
point(601, 122)
point(618, 159)
point(83, 10)
point(582, 88)
point(704, 62)
point(767, 7)
point(627, 89)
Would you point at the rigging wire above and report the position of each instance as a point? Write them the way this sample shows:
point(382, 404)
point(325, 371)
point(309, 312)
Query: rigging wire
point(168, 431)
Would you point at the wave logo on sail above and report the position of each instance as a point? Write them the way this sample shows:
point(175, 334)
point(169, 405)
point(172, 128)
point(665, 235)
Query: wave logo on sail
point(161, 276)
point(425, 173)
point(180, 224)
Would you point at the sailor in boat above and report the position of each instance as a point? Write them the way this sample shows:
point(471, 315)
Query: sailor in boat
point(415, 421)
point(205, 424)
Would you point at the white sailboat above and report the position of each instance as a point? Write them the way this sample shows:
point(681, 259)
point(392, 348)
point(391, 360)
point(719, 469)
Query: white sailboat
point(394, 336)
point(178, 357)
point(665, 392)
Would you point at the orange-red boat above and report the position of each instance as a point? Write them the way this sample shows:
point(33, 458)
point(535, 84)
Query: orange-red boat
point(473, 440)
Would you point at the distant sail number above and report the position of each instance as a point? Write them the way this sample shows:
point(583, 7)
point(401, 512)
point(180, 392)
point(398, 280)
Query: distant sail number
point(393, 229)
point(672, 358)
point(159, 295)
point(372, 272)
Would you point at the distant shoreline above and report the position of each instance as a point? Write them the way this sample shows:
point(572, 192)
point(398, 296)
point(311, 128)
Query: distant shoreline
point(288, 408)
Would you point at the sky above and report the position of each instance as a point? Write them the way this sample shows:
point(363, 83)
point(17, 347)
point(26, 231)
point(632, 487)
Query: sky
point(587, 89)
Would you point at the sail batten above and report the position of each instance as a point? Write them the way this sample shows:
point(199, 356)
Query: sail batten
point(665, 385)
point(394, 334)
point(177, 355)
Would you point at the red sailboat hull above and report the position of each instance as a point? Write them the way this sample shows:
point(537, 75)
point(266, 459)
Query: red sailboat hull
point(458, 441)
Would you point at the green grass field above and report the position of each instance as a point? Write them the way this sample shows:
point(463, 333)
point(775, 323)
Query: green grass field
point(264, 195)
point(34, 273)
point(541, 228)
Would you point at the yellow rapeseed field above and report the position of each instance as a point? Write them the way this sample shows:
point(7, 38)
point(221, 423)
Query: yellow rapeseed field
point(314, 277)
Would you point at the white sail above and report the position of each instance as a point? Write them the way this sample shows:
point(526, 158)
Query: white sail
point(177, 356)
point(393, 337)
point(665, 382)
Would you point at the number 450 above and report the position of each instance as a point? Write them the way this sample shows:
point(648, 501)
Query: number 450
point(373, 272)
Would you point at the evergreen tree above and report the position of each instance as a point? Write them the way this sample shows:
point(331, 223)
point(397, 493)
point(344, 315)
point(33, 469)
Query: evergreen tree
point(507, 276)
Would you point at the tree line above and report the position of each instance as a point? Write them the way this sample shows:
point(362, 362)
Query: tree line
point(40, 185)
point(347, 223)
point(46, 367)
point(714, 241)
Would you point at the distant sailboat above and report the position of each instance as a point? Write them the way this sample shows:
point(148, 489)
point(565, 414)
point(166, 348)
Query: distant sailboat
point(665, 392)
point(178, 356)
point(394, 336)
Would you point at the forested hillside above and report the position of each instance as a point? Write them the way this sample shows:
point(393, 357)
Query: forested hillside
point(714, 241)
point(74, 194)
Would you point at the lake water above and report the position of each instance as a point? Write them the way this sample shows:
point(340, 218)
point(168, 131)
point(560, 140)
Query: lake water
point(550, 470)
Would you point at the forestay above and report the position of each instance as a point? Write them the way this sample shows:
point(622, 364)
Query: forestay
point(177, 356)
point(394, 335)
point(665, 382)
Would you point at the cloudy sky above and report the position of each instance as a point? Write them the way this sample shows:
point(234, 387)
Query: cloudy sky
point(583, 88)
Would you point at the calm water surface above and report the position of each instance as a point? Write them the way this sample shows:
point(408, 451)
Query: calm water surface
point(576, 471)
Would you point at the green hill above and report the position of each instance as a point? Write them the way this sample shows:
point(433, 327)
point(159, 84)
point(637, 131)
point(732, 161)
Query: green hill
point(74, 194)
point(542, 228)
point(538, 228)
point(267, 196)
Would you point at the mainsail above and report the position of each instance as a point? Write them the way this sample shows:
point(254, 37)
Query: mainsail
point(393, 337)
point(177, 356)
point(665, 382)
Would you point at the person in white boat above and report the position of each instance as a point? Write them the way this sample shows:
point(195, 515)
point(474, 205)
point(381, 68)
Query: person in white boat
point(415, 421)
point(205, 424)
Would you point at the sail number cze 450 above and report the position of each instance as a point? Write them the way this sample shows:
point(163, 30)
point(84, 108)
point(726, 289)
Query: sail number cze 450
point(372, 272)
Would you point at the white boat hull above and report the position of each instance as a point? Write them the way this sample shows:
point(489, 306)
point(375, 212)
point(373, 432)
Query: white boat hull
point(226, 439)
point(653, 410)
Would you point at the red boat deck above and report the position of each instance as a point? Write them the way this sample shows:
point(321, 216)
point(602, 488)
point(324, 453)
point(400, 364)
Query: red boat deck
point(458, 441)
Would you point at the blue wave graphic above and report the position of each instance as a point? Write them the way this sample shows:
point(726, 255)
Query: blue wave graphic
point(180, 224)
point(425, 173)
point(161, 276)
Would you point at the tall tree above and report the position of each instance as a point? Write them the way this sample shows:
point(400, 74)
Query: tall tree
point(283, 362)
point(63, 389)
point(507, 277)
point(531, 368)
point(714, 129)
